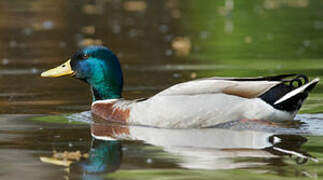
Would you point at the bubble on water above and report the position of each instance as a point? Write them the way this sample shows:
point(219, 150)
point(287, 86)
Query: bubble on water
point(62, 44)
point(163, 28)
point(34, 70)
point(47, 25)
point(318, 24)
point(269, 36)
point(132, 33)
point(22, 45)
point(196, 48)
point(177, 75)
point(124, 149)
point(116, 28)
point(149, 161)
point(300, 51)
point(168, 52)
point(307, 43)
point(168, 38)
point(248, 39)
point(70, 145)
point(258, 9)
point(5, 61)
point(228, 26)
point(27, 31)
point(12, 44)
point(204, 34)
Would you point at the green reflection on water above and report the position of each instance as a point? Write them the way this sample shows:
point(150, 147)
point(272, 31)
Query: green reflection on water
point(263, 37)
point(62, 119)
point(256, 31)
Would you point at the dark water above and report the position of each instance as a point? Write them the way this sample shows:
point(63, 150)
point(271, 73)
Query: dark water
point(215, 38)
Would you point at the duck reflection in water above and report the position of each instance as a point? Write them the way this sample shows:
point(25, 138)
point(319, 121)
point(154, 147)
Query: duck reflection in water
point(104, 157)
point(209, 148)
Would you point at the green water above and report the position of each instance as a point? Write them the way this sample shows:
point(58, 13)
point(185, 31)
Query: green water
point(227, 37)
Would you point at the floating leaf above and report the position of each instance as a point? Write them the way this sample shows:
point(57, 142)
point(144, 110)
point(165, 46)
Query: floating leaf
point(54, 161)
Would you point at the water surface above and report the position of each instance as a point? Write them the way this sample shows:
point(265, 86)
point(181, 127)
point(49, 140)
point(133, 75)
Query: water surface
point(220, 38)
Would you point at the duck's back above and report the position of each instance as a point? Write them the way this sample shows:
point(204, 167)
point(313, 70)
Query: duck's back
point(183, 111)
point(209, 102)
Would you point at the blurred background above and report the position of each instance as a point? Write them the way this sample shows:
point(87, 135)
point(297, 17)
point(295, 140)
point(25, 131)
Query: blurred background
point(159, 43)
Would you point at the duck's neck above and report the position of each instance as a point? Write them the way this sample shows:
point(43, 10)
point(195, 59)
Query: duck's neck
point(102, 92)
point(106, 80)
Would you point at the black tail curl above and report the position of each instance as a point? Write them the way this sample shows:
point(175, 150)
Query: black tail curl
point(295, 102)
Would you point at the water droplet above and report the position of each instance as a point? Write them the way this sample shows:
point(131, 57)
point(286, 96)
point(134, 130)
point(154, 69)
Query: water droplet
point(163, 28)
point(149, 161)
point(34, 70)
point(318, 24)
point(47, 25)
point(27, 31)
point(22, 45)
point(248, 39)
point(12, 44)
point(132, 33)
point(177, 75)
point(116, 28)
point(5, 61)
point(168, 52)
point(300, 51)
point(204, 34)
point(269, 36)
point(62, 44)
point(168, 38)
point(307, 43)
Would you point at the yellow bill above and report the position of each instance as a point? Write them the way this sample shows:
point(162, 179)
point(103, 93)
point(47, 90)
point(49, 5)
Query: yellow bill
point(63, 70)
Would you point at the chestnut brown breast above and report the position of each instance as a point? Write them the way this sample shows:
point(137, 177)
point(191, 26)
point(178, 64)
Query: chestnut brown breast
point(110, 112)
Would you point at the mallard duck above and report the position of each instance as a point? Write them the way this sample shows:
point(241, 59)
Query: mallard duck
point(193, 104)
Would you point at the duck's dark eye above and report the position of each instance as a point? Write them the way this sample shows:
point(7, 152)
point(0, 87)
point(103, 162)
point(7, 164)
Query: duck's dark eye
point(85, 56)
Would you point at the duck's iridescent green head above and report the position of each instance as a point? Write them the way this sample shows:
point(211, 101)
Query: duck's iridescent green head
point(96, 65)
